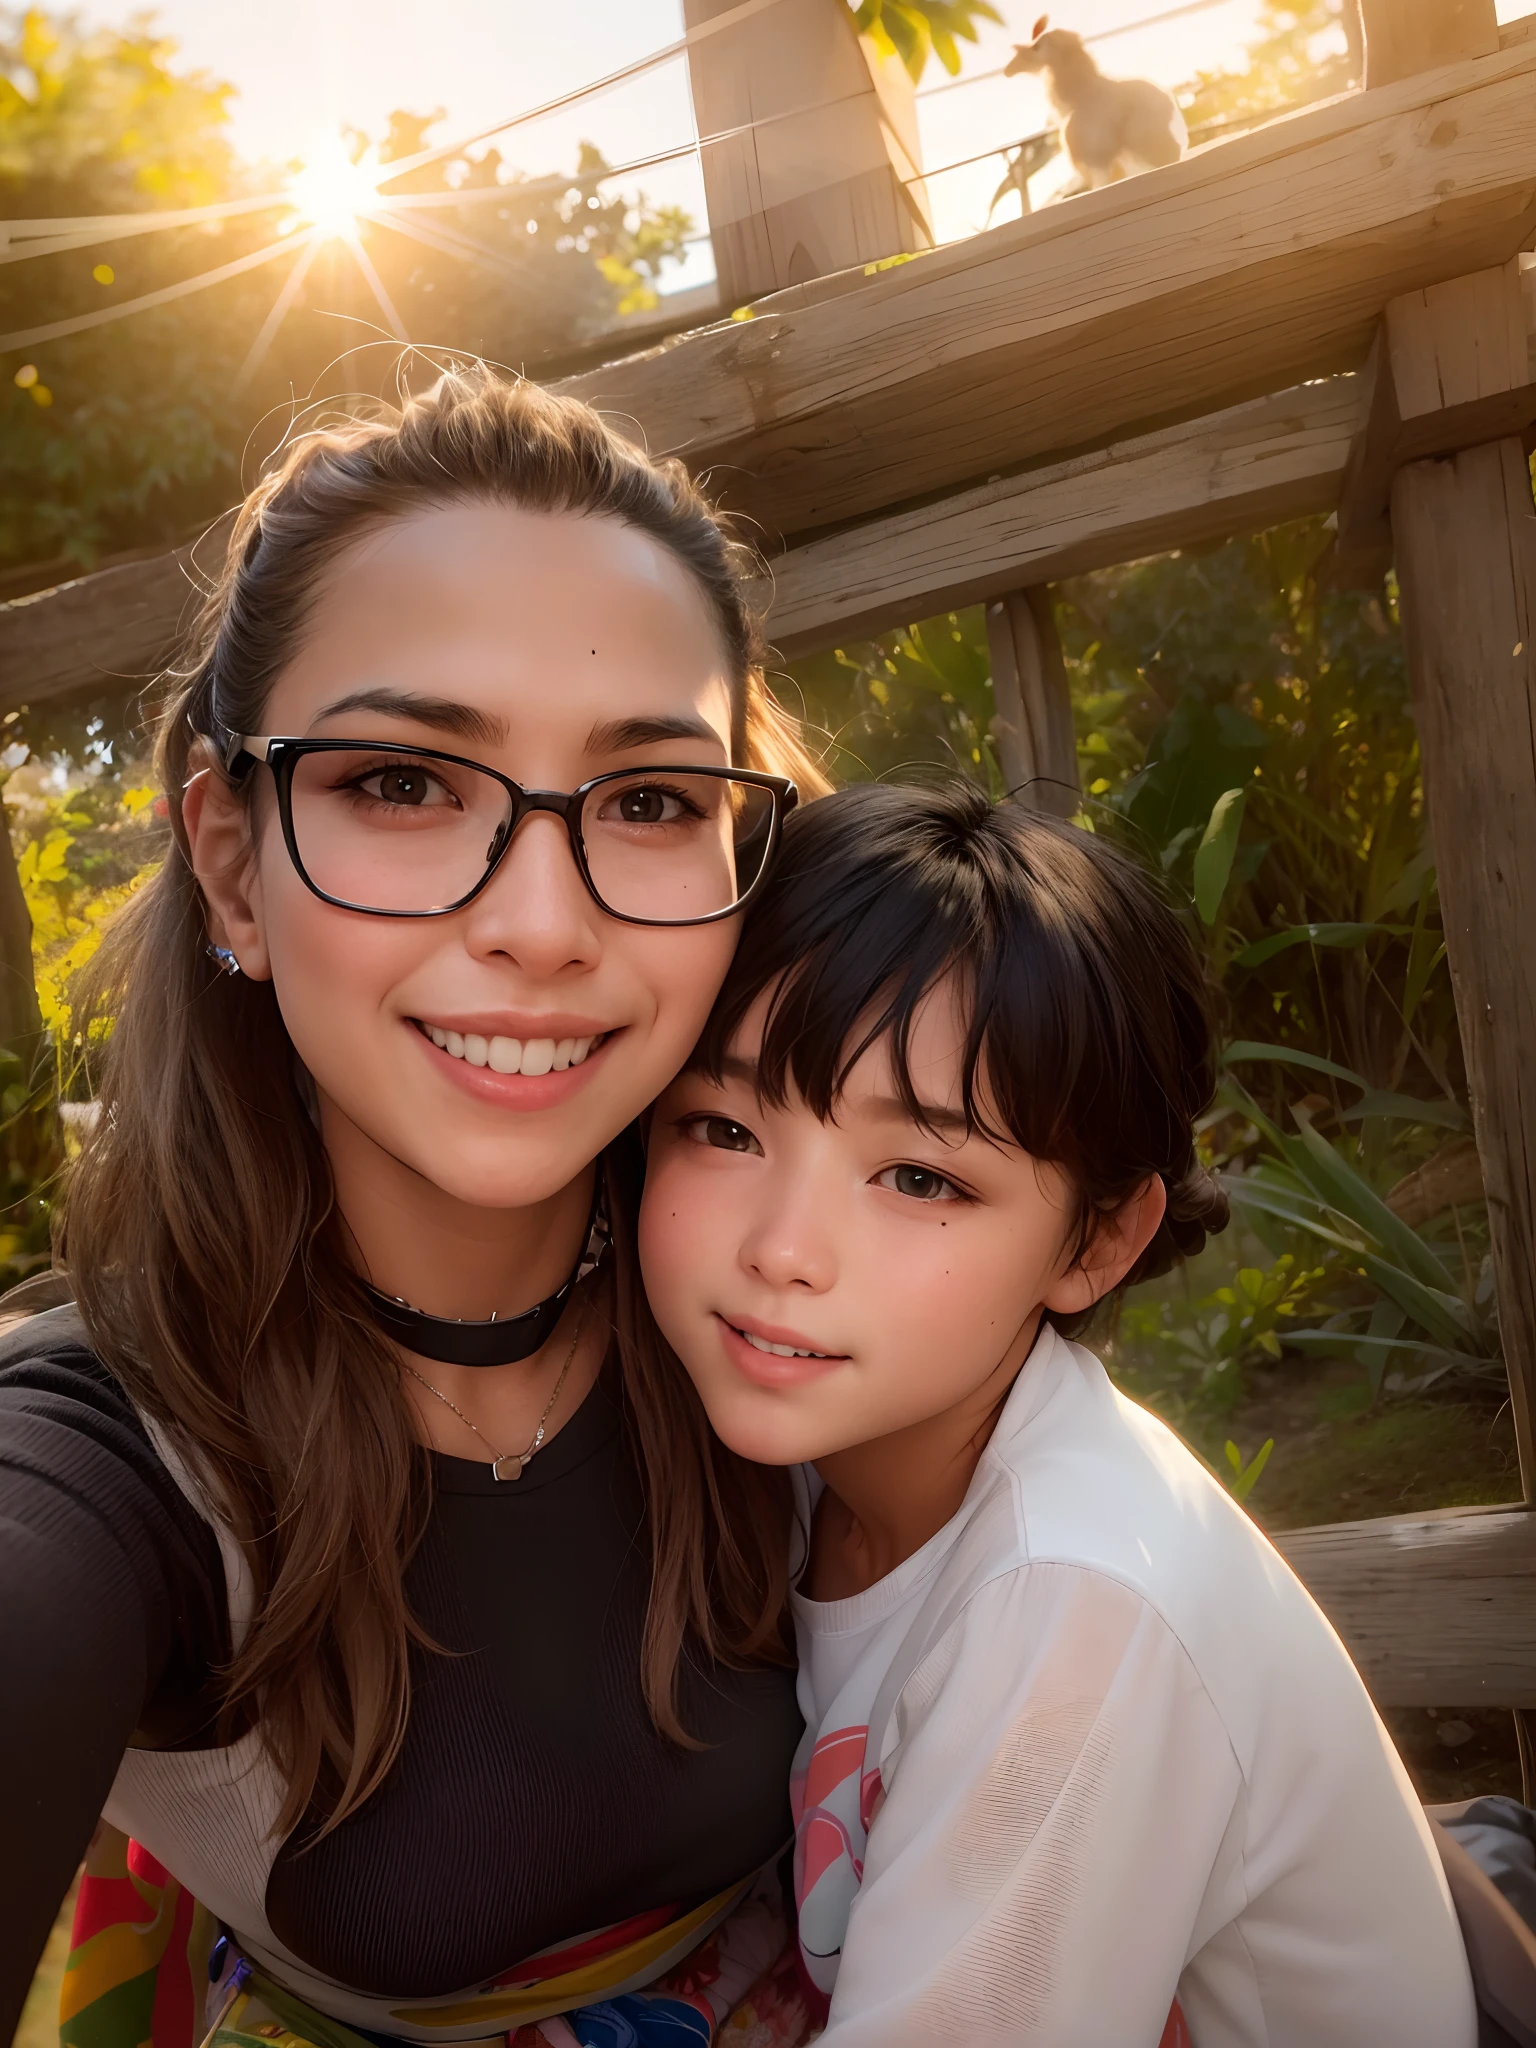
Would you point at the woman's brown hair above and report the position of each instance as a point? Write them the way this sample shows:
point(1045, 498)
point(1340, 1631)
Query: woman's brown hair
point(200, 1228)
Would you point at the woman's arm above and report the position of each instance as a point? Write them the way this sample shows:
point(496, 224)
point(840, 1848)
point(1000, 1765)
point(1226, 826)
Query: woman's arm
point(1055, 1817)
point(108, 1602)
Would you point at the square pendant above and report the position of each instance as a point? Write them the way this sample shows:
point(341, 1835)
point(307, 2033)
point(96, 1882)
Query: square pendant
point(509, 1467)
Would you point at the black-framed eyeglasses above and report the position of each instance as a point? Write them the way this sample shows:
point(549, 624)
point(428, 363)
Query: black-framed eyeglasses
point(411, 832)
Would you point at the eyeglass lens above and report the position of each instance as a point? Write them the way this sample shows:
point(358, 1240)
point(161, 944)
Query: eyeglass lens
point(384, 830)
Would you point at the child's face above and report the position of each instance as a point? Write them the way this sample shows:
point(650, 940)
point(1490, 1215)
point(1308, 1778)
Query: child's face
point(916, 1266)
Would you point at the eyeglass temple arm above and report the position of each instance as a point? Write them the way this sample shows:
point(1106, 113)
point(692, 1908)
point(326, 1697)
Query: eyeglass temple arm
point(243, 751)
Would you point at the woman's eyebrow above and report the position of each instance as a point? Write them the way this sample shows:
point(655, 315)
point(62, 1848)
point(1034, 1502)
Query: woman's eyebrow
point(618, 734)
point(442, 714)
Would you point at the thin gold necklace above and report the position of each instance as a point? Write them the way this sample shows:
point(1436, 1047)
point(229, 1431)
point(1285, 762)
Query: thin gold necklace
point(515, 1462)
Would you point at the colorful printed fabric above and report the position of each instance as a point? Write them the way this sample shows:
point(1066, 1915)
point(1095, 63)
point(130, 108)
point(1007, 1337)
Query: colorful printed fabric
point(137, 1972)
point(138, 1976)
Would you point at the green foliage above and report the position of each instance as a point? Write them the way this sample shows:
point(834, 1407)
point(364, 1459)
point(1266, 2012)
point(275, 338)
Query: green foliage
point(921, 698)
point(132, 435)
point(1205, 1343)
point(1245, 1477)
point(912, 29)
point(1401, 1297)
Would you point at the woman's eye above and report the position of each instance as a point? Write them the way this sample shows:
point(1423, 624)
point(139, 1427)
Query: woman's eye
point(648, 807)
point(919, 1184)
point(648, 803)
point(406, 786)
point(721, 1133)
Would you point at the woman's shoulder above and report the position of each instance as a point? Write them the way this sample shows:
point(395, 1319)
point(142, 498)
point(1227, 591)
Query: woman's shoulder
point(68, 1425)
point(47, 1364)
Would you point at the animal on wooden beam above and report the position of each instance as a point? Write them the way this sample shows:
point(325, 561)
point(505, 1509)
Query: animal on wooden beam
point(1110, 127)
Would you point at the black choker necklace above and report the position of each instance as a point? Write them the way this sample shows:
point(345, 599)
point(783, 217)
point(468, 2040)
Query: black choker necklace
point(501, 1341)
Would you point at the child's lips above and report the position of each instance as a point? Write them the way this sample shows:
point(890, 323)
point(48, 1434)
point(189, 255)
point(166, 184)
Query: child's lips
point(770, 1356)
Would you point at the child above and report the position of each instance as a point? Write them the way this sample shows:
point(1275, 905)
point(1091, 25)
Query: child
point(1084, 1766)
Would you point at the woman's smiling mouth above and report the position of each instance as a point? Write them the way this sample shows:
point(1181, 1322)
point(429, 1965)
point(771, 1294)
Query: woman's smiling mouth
point(513, 1055)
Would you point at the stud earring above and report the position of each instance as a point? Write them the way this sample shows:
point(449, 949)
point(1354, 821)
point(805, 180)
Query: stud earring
point(223, 955)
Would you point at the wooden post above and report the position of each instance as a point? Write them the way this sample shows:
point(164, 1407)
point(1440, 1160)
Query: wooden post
point(1464, 533)
point(1464, 541)
point(816, 168)
point(1033, 726)
point(1405, 36)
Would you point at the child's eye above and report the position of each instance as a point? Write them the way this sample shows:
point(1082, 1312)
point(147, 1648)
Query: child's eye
point(720, 1132)
point(919, 1184)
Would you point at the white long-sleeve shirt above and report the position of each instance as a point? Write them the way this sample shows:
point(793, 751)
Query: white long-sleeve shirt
point(1094, 1746)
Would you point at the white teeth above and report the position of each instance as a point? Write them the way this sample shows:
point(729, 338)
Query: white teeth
point(506, 1056)
point(779, 1350)
point(538, 1055)
point(513, 1055)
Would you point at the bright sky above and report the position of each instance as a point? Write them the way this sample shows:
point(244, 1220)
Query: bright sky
point(304, 68)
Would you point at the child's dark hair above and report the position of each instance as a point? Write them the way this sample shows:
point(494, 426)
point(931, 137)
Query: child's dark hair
point(1088, 1039)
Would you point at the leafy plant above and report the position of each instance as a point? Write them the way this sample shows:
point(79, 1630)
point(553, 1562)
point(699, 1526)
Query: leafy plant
point(914, 29)
point(1424, 1300)
point(1246, 1477)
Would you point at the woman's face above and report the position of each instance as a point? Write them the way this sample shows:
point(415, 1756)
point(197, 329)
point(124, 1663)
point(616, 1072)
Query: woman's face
point(551, 647)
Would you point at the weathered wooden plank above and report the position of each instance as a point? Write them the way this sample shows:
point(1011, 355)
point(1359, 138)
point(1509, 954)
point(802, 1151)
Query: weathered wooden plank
point(1437, 1610)
point(1464, 542)
point(1451, 366)
point(818, 138)
point(97, 632)
point(1239, 471)
point(1250, 265)
point(1033, 726)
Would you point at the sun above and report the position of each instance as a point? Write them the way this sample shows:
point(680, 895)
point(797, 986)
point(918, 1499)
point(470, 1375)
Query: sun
point(331, 192)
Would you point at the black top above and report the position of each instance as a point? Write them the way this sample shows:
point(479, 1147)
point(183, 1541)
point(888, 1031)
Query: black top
point(533, 1800)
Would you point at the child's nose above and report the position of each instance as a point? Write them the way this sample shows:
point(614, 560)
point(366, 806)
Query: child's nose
point(785, 1250)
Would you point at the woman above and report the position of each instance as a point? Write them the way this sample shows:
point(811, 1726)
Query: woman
point(345, 1567)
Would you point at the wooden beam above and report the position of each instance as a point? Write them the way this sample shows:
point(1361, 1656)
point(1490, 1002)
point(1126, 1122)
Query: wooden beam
point(1464, 534)
point(1452, 365)
point(1405, 36)
point(1033, 726)
point(97, 633)
point(1250, 265)
point(819, 137)
point(1437, 1610)
point(1235, 472)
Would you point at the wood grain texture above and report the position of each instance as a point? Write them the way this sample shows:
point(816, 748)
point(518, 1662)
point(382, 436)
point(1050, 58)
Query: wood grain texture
point(1451, 366)
point(1239, 471)
point(808, 174)
point(1248, 266)
point(1464, 534)
point(1437, 1610)
point(1033, 727)
point(97, 633)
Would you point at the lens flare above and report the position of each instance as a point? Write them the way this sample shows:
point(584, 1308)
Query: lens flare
point(331, 192)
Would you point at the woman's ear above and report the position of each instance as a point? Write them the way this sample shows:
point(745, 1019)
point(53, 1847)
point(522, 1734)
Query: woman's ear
point(217, 825)
point(1118, 1241)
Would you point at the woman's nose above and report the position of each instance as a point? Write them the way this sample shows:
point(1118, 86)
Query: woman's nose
point(536, 909)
